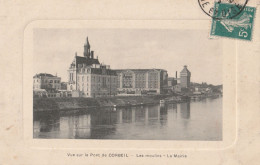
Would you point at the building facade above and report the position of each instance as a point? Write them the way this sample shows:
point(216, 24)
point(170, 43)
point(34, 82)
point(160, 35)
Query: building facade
point(63, 85)
point(141, 81)
point(172, 81)
point(185, 75)
point(88, 78)
point(46, 81)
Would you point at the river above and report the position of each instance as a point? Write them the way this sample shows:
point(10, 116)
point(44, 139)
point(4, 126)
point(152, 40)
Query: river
point(195, 120)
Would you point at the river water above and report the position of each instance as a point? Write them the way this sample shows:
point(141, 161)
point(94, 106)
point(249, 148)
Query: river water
point(195, 120)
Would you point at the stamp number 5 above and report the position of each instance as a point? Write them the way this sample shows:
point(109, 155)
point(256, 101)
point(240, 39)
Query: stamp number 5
point(242, 33)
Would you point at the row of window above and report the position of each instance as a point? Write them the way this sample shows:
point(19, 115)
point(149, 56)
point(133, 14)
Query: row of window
point(55, 81)
point(46, 86)
point(46, 81)
point(152, 78)
point(98, 78)
point(98, 87)
point(138, 86)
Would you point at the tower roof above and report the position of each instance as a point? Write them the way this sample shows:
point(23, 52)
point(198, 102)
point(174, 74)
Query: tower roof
point(185, 70)
point(87, 42)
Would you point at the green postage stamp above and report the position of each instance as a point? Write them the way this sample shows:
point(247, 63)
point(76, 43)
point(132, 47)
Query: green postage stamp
point(239, 27)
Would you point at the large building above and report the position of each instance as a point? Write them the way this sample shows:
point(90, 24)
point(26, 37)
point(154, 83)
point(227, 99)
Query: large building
point(185, 77)
point(141, 81)
point(46, 81)
point(88, 78)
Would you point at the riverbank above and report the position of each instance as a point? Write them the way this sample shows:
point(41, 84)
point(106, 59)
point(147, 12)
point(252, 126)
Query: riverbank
point(56, 104)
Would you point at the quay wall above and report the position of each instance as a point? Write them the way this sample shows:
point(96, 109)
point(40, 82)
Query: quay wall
point(54, 104)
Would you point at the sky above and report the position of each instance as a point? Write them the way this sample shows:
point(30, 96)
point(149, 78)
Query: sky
point(169, 49)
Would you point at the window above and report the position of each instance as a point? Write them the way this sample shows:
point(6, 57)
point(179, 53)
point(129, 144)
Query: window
point(71, 76)
point(51, 81)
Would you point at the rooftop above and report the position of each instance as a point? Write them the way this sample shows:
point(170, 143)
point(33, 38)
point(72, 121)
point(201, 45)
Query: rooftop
point(43, 75)
point(138, 70)
point(101, 71)
point(86, 61)
point(185, 70)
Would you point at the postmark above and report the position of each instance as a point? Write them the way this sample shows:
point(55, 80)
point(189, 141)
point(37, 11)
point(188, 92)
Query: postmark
point(230, 11)
point(239, 27)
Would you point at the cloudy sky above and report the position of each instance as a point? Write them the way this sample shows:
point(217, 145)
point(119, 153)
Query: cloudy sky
point(54, 50)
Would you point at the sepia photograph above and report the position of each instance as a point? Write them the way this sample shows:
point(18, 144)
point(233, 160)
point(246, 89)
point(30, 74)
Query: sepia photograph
point(127, 84)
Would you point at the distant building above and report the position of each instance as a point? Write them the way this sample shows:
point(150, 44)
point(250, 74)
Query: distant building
point(185, 75)
point(172, 81)
point(64, 85)
point(177, 88)
point(39, 93)
point(64, 93)
point(46, 81)
point(141, 81)
point(88, 78)
point(203, 89)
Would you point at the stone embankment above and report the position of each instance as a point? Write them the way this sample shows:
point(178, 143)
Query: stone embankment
point(54, 104)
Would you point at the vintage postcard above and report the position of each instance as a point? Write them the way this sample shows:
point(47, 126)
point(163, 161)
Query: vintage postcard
point(118, 87)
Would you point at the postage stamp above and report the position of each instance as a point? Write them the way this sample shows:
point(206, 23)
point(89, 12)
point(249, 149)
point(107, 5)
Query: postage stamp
point(239, 27)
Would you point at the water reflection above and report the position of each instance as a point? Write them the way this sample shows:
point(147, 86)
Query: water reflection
point(185, 110)
point(184, 121)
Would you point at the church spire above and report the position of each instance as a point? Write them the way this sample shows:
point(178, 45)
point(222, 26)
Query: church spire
point(87, 43)
point(87, 49)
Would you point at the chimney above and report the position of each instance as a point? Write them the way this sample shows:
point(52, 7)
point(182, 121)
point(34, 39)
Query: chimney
point(176, 74)
point(92, 54)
